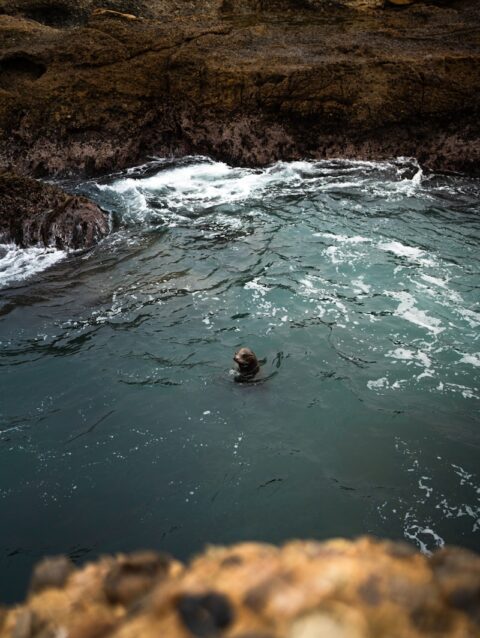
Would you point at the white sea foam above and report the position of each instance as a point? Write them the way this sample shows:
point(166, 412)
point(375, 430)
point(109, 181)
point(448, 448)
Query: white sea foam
point(343, 248)
point(471, 359)
point(255, 285)
point(135, 199)
point(307, 283)
point(412, 254)
point(426, 499)
point(401, 250)
point(464, 390)
point(204, 183)
point(470, 316)
point(402, 353)
point(18, 264)
point(378, 384)
point(438, 290)
point(360, 287)
point(332, 252)
point(436, 281)
point(423, 536)
point(343, 239)
point(408, 311)
point(419, 358)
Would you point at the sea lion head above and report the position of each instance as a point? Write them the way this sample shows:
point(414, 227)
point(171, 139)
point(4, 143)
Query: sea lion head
point(247, 362)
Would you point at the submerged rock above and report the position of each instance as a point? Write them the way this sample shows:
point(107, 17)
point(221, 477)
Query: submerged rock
point(37, 214)
point(337, 589)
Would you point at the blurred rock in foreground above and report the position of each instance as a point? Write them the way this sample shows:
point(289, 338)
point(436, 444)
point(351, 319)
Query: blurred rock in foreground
point(336, 589)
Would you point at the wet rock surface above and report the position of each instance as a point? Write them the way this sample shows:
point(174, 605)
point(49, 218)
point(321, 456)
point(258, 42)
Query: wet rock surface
point(305, 589)
point(37, 214)
point(89, 87)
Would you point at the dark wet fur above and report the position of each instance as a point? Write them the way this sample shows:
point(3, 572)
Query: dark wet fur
point(248, 366)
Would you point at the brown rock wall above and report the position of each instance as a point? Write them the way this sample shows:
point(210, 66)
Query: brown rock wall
point(249, 88)
point(32, 213)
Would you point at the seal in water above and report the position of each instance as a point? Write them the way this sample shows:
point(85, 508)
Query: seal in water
point(247, 362)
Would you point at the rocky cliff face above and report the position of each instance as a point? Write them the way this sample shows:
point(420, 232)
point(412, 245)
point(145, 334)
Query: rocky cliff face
point(336, 589)
point(89, 86)
point(36, 214)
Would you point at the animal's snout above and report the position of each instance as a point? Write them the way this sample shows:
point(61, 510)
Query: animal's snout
point(247, 361)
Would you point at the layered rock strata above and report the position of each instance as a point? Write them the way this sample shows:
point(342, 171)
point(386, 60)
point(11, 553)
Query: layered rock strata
point(96, 85)
point(336, 589)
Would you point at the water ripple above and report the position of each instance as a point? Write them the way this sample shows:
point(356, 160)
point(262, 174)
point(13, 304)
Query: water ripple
point(357, 285)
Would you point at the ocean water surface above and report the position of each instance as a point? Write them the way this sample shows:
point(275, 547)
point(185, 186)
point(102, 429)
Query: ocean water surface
point(121, 425)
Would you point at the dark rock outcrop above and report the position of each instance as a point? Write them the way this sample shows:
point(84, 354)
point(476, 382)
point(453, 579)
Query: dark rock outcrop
point(335, 589)
point(246, 81)
point(33, 213)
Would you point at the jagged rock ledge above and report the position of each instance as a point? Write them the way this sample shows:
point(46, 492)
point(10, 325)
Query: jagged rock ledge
point(37, 214)
point(335, 589)
point(97, 85)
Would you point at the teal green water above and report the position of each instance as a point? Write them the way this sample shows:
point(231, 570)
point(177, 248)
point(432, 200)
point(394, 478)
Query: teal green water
point(356, 283)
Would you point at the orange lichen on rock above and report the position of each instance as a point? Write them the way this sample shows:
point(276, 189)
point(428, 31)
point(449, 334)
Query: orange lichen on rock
point(338, 589)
